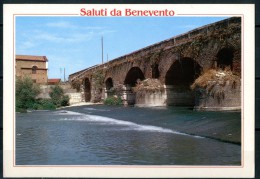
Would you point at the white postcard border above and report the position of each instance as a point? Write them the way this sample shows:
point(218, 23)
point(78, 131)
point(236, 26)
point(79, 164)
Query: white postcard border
point(246, 11)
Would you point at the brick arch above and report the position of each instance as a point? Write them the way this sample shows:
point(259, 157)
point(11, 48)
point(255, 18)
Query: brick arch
point(109, 83)
point(87, 89)
point(183, 71)
point(166, 60)
point(133, 75)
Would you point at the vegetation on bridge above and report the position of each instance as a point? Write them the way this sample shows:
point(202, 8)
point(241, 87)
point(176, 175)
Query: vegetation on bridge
point(213, 82)
point(98, 78)
point(76, 84)
point(148, 85)
point(188, 47)
point(197, 42)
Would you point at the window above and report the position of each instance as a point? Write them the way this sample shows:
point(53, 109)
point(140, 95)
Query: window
point(34, 68)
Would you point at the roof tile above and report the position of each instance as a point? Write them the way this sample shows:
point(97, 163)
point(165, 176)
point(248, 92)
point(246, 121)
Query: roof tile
point(54, 80)
point(31, 58)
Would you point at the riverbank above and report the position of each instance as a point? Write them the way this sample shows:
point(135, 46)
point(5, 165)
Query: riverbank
point(223, 126)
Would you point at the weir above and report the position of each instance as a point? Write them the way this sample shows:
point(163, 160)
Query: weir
point(200, 68)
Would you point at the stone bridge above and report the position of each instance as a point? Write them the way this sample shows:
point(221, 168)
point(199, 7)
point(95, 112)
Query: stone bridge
point(174, 63)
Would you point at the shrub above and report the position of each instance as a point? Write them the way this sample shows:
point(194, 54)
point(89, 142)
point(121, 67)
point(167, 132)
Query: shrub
point(25, 92)
point(57, 96)
point(65, 100)
point(46, 104)
point(114, 100)
point(20, 110)
point(43, 104)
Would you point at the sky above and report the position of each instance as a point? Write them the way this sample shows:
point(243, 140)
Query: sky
point(74, 43)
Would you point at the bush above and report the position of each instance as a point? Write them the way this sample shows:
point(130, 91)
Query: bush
point(57, 96)
point(25, 92)
point(65, 100)
point(43, 104)
point(114, 100)
point(20, 110)
point(47, 104)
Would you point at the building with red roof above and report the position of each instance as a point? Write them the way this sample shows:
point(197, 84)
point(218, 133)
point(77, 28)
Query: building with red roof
point(35, 67)
point(54, 81)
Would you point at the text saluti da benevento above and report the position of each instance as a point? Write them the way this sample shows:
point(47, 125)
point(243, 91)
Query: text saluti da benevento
point(125, 12)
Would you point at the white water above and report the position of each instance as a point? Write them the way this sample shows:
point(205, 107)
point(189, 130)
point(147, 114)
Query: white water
point(126, 125)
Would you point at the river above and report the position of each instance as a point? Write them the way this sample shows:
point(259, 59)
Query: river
point(116, 135)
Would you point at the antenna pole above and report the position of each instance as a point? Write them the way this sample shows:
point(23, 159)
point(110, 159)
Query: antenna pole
point(102, 48)
point(64, 74)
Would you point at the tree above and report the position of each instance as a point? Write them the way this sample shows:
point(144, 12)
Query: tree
point(26, 92)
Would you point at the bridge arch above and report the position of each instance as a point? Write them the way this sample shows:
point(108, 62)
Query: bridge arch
point(183, 72)
point(87, 89)
point(178, 79)
point(109, 83)
point(225, 58)
point(133, 75)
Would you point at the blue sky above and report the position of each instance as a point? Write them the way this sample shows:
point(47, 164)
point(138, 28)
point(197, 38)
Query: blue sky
point(74, 43)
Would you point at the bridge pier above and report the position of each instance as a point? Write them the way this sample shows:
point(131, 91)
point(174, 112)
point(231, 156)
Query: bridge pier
point(170, 96)
point(151, 98)
point(128, 96)
point(229, 99)
point(179, 96)
point(104, 94)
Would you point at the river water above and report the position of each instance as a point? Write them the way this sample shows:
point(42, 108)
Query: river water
point(108, 135)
